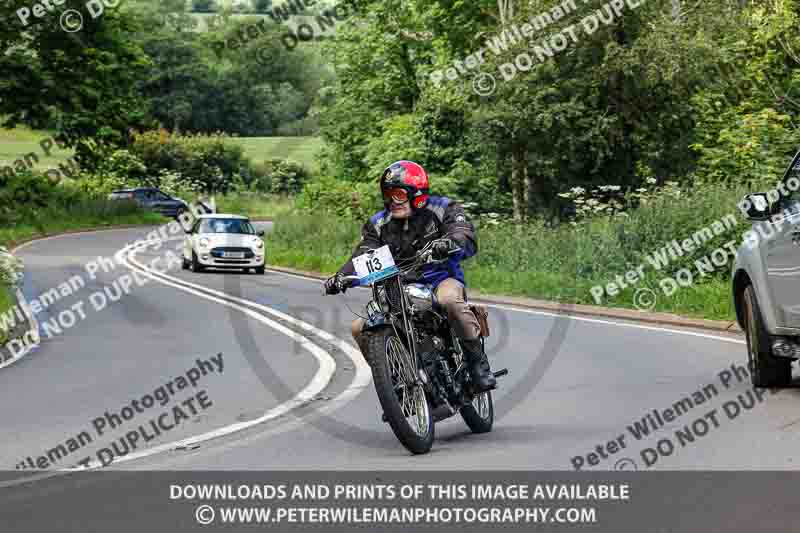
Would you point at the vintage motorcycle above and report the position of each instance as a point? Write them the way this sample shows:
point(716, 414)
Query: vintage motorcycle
point(417, 363)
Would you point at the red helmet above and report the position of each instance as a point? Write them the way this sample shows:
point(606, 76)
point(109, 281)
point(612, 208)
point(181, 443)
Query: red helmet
point(408, 176)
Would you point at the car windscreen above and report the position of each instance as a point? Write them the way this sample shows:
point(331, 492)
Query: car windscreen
point(226, 225)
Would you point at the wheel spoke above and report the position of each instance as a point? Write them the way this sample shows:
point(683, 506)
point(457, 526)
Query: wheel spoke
point(410, 395)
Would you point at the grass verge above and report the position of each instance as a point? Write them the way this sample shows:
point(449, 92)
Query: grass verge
point(7, 301)
point(254, 205)
point(563, 264)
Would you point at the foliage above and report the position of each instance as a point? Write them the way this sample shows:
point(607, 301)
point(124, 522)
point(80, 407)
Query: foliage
point(11, 269)
point(210, 161)
point(750, 148)
point(669, 92)
point(353, 201)
point(89, 77)
point(278, 176)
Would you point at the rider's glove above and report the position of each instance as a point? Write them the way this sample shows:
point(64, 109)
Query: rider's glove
point(441, 249)
point(335, 285)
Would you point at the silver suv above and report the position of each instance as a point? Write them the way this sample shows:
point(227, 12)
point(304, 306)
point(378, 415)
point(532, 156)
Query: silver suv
point(766, 280)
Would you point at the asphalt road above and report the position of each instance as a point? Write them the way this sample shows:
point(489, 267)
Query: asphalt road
point(574, 383)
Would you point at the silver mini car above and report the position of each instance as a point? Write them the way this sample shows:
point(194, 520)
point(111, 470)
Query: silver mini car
point(766, 280)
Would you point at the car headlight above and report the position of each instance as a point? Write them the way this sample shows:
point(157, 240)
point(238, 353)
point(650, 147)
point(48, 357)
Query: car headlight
point(204, 243)
point(259, 245)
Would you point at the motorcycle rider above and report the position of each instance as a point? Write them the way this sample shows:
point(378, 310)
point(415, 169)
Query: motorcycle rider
point(410, 221)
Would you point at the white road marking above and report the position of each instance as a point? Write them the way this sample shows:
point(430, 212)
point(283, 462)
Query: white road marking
point(621, 324)
point(362, 378)
point(321, 379)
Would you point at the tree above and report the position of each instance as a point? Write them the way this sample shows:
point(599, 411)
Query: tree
point(82, 84)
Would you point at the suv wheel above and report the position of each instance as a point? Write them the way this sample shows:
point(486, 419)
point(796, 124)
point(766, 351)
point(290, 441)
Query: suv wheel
point(766, 370)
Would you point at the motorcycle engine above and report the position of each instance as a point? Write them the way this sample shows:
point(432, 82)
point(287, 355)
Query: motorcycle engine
point(429, 346)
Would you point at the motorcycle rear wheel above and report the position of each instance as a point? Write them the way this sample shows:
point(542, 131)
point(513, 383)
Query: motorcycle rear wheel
point(479, 415)
point(400, 392)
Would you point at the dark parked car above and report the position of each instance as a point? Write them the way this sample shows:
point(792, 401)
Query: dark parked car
point(152, 198)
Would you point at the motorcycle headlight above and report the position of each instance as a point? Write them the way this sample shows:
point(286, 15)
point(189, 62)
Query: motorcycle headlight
point(204, 243)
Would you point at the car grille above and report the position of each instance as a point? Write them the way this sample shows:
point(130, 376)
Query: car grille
point(217, 252)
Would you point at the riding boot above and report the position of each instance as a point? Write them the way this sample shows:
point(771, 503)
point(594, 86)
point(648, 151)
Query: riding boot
point(478, 365)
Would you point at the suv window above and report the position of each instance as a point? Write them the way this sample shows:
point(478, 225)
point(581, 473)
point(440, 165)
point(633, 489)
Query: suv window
point(790, 203)
point(160, 196)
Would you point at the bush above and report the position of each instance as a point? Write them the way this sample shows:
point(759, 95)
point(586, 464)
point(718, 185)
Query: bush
point(10, 269)
point(278, 176)
point(302, 127)
point(347, 199)
point(206, 160)
point(24, 194)
point(740, 147)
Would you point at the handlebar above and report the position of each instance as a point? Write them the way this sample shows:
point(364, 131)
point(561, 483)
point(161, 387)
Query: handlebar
point(424, 257)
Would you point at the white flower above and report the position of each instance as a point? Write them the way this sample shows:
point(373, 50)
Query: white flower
point(10, 268)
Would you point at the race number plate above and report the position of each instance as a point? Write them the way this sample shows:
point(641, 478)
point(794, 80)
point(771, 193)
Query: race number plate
point(374, 266)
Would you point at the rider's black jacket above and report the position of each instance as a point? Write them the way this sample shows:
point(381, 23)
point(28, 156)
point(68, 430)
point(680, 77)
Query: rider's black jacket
point(440, 218)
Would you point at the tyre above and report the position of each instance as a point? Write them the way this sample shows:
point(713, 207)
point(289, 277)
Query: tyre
point(400, 392)
point(179, 213)
point(185, 263)
point(196, 266)
point(766, 370)
point(261, 270)
point(479, 415)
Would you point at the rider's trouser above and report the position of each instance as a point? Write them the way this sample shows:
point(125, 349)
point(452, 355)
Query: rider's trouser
point(450, 294)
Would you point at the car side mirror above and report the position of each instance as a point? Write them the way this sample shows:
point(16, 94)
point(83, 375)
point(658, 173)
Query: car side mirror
point(260, 233)
point(755, 206)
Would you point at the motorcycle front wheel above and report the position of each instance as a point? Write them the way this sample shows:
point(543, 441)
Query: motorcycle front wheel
point(400, 392)
point(479, 415)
